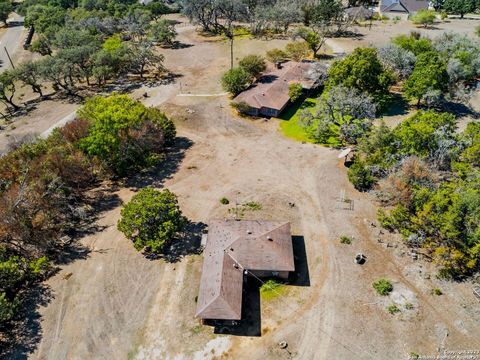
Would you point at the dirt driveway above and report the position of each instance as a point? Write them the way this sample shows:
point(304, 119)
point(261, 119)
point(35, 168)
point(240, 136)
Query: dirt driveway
point(115, 304)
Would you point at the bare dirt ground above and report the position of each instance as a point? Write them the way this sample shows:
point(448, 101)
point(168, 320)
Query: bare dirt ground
point(380, 33)
point(115, 304)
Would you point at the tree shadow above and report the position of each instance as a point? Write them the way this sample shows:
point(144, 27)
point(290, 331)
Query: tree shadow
point(348, 34)
point(251, 322)
point(459, 109)
point(188, 243)
point(397, 106)
point(22, 336)
point(165, 170)
point(267, 79)
point(170, 78)
point(179, 45)
point(300, 104)
point(324, 56)
point(301, 275)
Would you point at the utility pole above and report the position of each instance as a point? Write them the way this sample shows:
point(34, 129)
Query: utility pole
point(9, 58)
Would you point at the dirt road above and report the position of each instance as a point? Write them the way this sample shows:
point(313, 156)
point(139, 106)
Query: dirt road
point(12, 40)
point(112, 303)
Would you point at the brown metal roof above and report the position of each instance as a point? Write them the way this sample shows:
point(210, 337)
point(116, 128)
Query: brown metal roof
point(271, 89)
point(233, 246)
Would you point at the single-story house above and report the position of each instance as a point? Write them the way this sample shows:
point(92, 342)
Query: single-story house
point(234, 250)
point(402, 8)
point(268, 96)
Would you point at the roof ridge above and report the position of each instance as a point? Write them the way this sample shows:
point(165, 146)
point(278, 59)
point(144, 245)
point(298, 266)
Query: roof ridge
point(276, 245)
point(207, 305)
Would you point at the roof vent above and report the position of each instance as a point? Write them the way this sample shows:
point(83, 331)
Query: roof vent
point(249, 232)
point(235, 266)
point(269, 238)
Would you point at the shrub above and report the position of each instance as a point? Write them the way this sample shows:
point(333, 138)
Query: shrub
point(236, 80)
point(276, 55)
point(253, 206)
point(297, 50)
point(424, 17)
point(437, 291)
point(344, 239)
point(295, 90)
point(383, 287)
point(409, 306)
point(151, 219)
point(254, 65)
point(360, 176)
point(393, 309)
point(124, 134)
point(163, 32)
point(8, 308)
point(224, 201)
point(242, 107)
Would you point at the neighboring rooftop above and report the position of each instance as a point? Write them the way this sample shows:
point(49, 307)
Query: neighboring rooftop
point(410, 6)
point(232, 247)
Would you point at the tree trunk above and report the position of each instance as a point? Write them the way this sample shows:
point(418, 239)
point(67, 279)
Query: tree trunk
point(231, 51)
point(37, 89)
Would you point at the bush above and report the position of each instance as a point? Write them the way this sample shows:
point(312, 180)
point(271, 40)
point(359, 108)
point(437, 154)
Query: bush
point(236, 80)
point(242, 107)
point(360, 176)
point(295, 91)
point(344, 239)
point(297, 50)
point(424, 17)
point(383, 287)
point(124, 134)
point(393, 309)
point(276, 55)
point(8, 308)
point(437, 292)
point(163, 32)
point(151, 219)
point(254, 65)
point(224, 201)
point(409, 306)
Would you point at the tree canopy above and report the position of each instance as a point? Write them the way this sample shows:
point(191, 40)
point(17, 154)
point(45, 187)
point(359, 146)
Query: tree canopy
point(151, 219)
point(116, 123)
point(363, 71)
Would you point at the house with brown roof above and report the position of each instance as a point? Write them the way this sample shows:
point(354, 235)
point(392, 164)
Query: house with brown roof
point(234, 250)
point(402, 8)
point(268, 96)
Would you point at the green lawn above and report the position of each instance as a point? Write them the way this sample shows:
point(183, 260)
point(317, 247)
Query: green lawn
point(289, 125)
point(271, 289)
